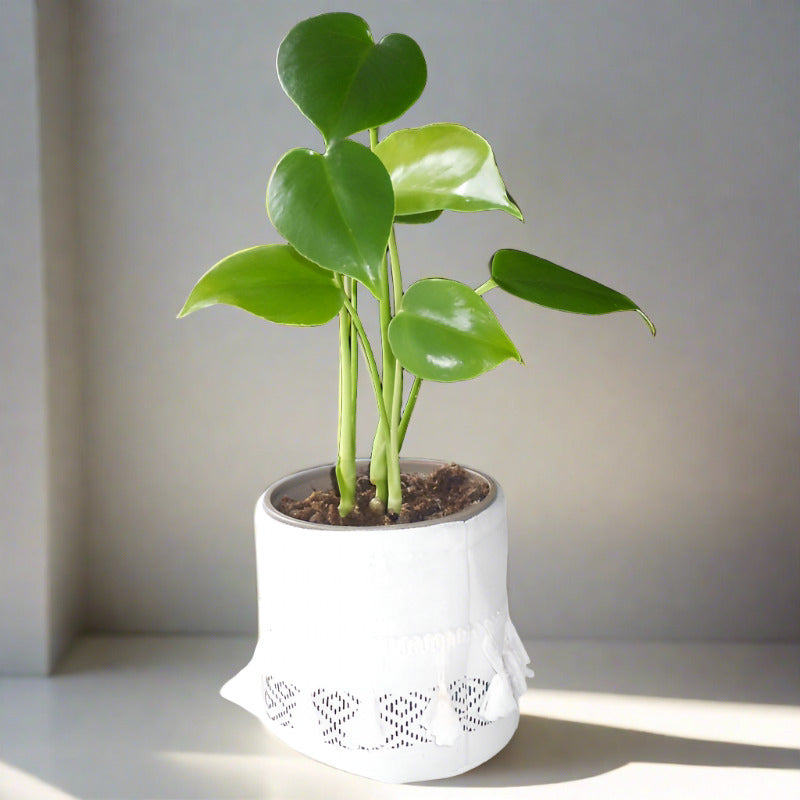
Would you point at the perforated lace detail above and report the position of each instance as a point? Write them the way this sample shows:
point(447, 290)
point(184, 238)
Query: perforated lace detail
point(279, 697)
point(335, 709)
point(466, 695)
point(401, 714)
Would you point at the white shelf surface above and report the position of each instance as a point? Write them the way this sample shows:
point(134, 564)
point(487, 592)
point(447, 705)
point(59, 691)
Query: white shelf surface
point(140, 717)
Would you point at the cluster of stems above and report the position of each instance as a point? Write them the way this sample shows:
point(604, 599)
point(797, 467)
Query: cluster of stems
point(387, 384)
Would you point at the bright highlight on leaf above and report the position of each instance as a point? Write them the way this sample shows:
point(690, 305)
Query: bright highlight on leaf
point(540, 281)
point(443, 167)
point(342, 81)
point(271, 281)
point(335, 209)
point(446, 332)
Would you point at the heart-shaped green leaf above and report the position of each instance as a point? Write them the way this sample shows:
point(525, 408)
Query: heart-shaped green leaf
point(342, 81)
point(335, 209)
point(446, 332)
point(540, 281)
point(272, 281)
point(443, 166)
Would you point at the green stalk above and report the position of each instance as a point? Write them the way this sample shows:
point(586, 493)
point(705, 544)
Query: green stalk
point(379, 458)
point(341, 381)
point(353, 343)
point(484, 287)
point(378, 473)
point(346, 456)
point(409, 409)
point(370, 359)
point(354, 356)
point(395, 500)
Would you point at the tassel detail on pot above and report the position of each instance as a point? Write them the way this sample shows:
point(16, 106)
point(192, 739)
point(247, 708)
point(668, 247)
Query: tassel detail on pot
point(514, 645)
point(516, 674)
point(440, 719)
point(366, 729)
point(500, 699)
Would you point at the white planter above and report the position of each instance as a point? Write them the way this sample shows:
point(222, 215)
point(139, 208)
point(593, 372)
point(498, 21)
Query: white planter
point(387, 652)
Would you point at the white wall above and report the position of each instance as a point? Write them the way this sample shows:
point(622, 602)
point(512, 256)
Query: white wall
point(66, 513)
point(652, 484)
point(23, 481)
point(41, 485)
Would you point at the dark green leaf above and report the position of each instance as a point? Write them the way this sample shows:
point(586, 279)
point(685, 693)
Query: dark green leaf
point(540, 281)
point(446, 332)
point(443, 166)
point(335, 209)
point(342, 81)
point(271, 281)
point(419, 219)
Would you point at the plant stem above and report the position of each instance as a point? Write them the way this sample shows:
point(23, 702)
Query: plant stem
point(354, 355)
point(647, 320)
point(370, 359)
point(409, 409)
point(484, 287)
point(346, 456)
point(395, 500)
point(380, 461)
point(341, 390)
point(378, 471)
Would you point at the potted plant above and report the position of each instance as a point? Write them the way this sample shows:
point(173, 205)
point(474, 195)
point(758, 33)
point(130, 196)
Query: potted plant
point(385, 645)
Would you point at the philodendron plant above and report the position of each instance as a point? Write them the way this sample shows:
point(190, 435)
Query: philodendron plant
point(337, 210)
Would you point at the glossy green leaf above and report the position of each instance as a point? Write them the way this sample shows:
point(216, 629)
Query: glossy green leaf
point(419, 219)
point(540, 281)
point(271, 281)
point(342, 81)
point(335, 209)
point(443, 166)
point(446, 332)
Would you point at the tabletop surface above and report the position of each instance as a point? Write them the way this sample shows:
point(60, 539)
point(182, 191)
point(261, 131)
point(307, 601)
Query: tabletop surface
point(140, 717)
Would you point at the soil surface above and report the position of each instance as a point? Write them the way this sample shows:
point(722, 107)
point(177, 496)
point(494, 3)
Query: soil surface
point(447, 490)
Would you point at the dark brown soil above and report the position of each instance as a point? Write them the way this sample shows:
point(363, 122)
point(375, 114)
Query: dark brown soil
point(447, 490)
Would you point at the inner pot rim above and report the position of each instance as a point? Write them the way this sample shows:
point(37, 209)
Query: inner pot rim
point(282, 486)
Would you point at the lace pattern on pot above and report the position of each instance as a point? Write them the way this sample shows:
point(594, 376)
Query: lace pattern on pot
point(280, 699)
point(330, 712)
point(353, 716)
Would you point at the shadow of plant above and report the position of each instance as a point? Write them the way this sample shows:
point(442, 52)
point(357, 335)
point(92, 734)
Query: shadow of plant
point(546, 750)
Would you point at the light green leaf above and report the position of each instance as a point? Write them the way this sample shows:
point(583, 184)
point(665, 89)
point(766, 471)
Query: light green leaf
point(443, 166)
point(272, 281)
point(540, 281)
point(446, 332)
point(342, 81)
point(335, 209)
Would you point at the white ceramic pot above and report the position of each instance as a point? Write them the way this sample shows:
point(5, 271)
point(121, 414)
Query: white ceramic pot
point(387, 652)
